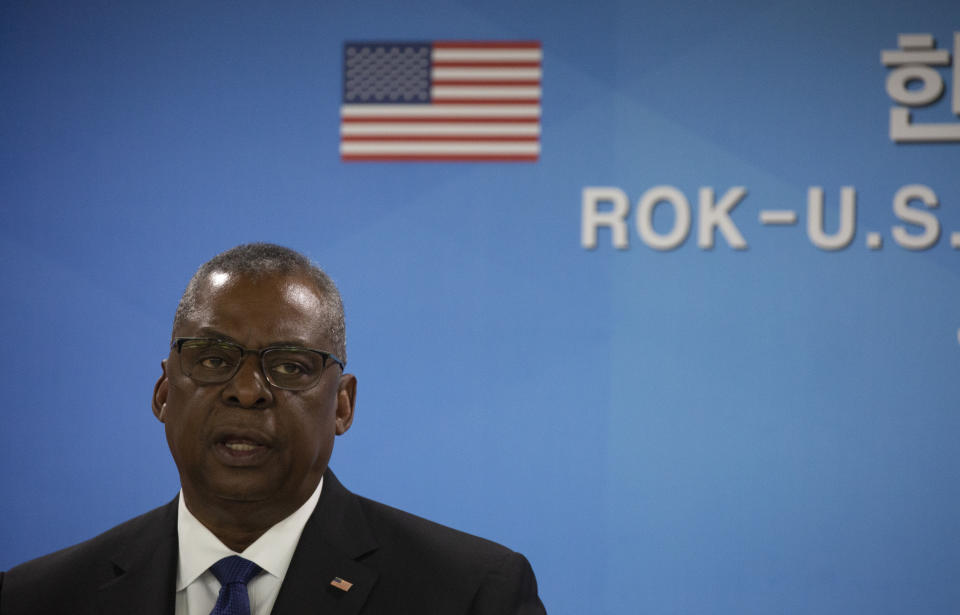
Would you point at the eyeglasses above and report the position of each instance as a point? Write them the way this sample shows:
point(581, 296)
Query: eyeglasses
point(212, 361)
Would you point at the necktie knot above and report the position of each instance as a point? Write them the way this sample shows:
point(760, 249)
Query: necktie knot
point(234, 569)
point(234, 573)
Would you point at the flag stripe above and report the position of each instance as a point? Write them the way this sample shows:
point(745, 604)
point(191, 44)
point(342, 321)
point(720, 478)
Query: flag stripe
point(481, 81)
point(445, 128)
point(438, 147)
point(445, 110)
point(463, 138)
point(474, 72)
point(484, 64)
point(439, 157)
point(486, 44)
point(464, 120)
point(477, 101)
point(486, 55)
point(519, 92)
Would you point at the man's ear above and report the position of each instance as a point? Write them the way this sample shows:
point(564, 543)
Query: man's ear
point(346, 399)
point(160, 394)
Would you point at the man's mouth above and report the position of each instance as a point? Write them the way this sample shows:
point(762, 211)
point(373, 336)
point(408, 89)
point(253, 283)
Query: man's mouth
point(234, 449)
point(242, 446)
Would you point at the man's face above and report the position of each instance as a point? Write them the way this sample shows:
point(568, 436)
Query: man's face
point(245, 442)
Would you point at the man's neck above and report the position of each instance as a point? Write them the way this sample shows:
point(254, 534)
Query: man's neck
point(237, 524)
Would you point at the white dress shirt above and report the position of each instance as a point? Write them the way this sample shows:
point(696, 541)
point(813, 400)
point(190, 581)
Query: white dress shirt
point(198, 588)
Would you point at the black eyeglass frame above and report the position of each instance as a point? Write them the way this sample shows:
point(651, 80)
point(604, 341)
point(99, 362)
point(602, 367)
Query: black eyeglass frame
point(178, 343)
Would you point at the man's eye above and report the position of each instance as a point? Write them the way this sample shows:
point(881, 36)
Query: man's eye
point(287, 369)
point(212, 362)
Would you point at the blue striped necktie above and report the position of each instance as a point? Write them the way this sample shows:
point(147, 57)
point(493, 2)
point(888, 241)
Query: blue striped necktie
point(234, 573)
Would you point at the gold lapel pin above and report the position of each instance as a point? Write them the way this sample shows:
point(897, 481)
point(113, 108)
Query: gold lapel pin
point(341, 584)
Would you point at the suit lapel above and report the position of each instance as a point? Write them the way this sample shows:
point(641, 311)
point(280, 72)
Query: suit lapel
point(145, 567)
point(335, 536)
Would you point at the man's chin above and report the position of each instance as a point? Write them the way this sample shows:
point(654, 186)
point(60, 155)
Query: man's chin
point(242, 493)
point(226, 485)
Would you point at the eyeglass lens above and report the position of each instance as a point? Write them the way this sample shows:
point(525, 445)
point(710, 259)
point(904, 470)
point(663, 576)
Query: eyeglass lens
point(211, 361)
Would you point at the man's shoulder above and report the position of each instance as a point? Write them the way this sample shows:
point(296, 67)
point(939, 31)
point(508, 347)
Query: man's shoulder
point(464, 573)
point(102, 546)
point(85, 565)
point(399, 529)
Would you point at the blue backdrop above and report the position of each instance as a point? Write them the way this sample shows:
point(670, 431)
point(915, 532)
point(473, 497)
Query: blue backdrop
point(760, 426)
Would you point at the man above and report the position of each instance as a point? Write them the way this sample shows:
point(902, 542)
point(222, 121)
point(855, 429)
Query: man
point(251, 396)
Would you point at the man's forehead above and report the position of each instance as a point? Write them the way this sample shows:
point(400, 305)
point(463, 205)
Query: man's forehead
point(295, 288)
point(304, 295)
point(265, 300)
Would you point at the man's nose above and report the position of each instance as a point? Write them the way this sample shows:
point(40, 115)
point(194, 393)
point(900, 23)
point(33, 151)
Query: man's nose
point(248, 388)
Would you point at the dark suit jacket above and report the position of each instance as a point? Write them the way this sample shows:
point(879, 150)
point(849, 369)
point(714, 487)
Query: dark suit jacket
point(398, 564)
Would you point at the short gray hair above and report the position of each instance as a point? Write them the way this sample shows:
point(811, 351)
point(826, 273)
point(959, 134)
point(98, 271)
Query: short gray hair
point(263, 259)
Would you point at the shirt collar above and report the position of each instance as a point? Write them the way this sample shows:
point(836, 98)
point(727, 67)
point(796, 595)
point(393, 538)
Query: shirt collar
point(200, 549)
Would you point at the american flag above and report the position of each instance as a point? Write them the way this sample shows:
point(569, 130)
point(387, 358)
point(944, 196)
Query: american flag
point(341, 584)
point(442, 100)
